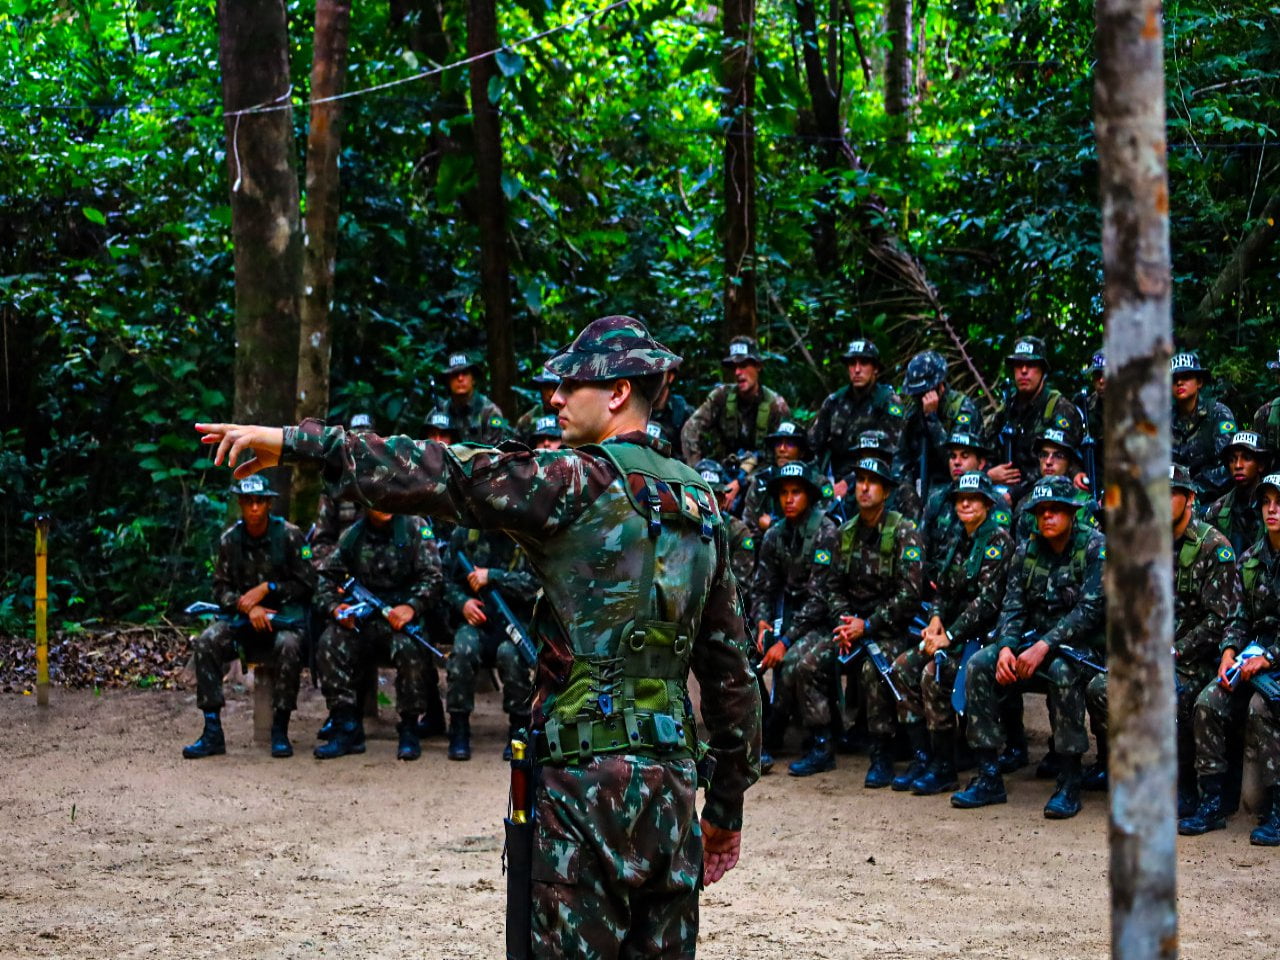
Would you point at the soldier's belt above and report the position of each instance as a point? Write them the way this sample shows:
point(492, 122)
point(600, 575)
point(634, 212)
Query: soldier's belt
point(656, 735)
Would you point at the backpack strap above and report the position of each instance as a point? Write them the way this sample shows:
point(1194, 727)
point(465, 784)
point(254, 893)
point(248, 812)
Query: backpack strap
point(888, 541)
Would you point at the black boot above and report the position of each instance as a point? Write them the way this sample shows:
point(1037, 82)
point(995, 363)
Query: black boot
point(516, 723)
point(919, 738)
point(348, 735)
point(1095, 778)
point(410, 747)
point(431, 723)
point(880, 772)
point(1267, 832)
point(280, 745)
point(211, 740)
point(1189, 791)
point(766, 761)
point(1065, 802)
point(1015, 755)
point(1208, 814)
point(820, 758)
point(326, 729)
point(1050, 765)
point(459, 736)
point(941, 775)
point(984, 789)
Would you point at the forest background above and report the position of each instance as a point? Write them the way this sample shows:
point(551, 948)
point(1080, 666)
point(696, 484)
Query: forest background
point(923, 174)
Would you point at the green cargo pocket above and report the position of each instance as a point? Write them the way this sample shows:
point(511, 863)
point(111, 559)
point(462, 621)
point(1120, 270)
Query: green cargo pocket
point(555, 861)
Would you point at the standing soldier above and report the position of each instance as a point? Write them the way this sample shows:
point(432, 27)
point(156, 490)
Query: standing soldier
point(638, 592)
point(789, 612)
point(482, 640)
point(1053, 599)
point(1034, 408)
point(964, 610)
point(396, 559)
point(1094, 412)
point(1266, 421)
point(263, 573)
point(787, 444)
point(546, 384)
point(335, 517)
point(736, 417)
point(1235, 513)
point(875, 588)
point(931, 413)
point(670, 413)
point(476, 418)
point(865, 404)
point(1201, 428)
point(1256, 622)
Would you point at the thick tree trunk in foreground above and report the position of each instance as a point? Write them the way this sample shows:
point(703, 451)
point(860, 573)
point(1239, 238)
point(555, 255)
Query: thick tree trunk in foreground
point(739, 169)
point(897, 68)
point(491, 207)
point(265, 228)
point(1130, 125)
point(324, 142)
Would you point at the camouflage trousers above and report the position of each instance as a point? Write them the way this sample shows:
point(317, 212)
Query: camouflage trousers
point(923, 694)
point(487, 646)
point(881, 707)
point(617, 860)
point(345, 657)
point(1058, 678)
point(1217, 710)
point(1191, 680)
point(807, 674)
point(220, 643)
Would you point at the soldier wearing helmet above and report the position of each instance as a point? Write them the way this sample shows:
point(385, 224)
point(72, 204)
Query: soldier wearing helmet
point(931, 413)
point(477, 418)
point(1201, 428)
point(1235, 513)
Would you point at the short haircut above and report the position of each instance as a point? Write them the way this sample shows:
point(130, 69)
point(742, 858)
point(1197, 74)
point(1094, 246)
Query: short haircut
point(646, 387)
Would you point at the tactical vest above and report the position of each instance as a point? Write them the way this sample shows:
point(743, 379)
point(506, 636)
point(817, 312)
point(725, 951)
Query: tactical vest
point(733, 421)
point(277, 544)
point(1249, 572)
point(888, 540)
point(626, 689)
point(473, 538)
point(1197, 533)
point(1079, 559)
point(977, 553)
point(401, 537)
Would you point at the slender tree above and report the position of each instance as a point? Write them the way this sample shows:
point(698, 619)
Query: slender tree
point(739, 76)
point(1129, 112)
point(898, 68)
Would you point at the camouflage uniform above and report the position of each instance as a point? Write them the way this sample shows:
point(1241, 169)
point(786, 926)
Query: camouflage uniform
point(903, 498)
point(955, 413)
point(743, 543)
point(1266, 421)
point(727, 425)
point(1200, 437)
point(844, 416)
point(479, 419)
point(335, 518)
point(400, 564)
point(669, 422)
point(279, 557)
point(1235, 516)
point(488, 643)
point(617, 845)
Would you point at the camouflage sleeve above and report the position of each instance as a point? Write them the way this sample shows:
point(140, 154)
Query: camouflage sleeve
point(979, 615)
point(325, 537)
point(744, 557)
point(299, 580)
point(1218, 579)
point(428, 586)
point(225, 593)
point(1223, 424)
point(1013, 610)
point(334, 569)
point(494, 427)
point(518, 584)
point(968, 419)
point(906, 451)
point(730, 696)
point(755, 503)
point(767, 584)
point(892, 616)
point(1083, 626)
point(519, 491)
point(1064, 409)
point(894, 419)
point(814, 615)
point(999, 456)
point(698, 426)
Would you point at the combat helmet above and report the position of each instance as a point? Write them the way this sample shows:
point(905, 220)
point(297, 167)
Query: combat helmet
point(548, 426)
point(1059, 438)
point(926, 371)
point(1180, 479)
point(1188, 361)
point(975, 481)
point(714, 473)
point(968, 441)
point(459, 362)
point(806, 473)
point(1058, 490)
point(1097, 364)
point(862, 349)
point(742, 350)
point(790, 431)
point(443, 421)
point(878, 468)
point(360, 421)
point(1029, 350)
point(610, 348)
point(1247, 440)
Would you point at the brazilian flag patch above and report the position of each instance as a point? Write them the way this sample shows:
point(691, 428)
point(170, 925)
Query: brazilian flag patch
point(1226, 554)
point(911, 553)
point(749, 543)
point(1063, 423)
point(822, 557)
point(427, 532)
point(1102, 553)
point(1227, 426)
point(1002, 517)
point(828, 491)
point(495, 421)
point(306, 551)
point(963, 418)
point(994, 553)
point(895, 410)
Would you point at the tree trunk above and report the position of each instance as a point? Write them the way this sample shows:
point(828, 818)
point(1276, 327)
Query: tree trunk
point(897, 69)
point(1230, 280)
point(324, 139)
point(265, 228)
point(1129, 111)
point(739, 169)
point(491, 209)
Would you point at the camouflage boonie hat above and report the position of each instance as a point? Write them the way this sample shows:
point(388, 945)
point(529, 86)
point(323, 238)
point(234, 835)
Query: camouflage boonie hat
point(713, 472)
point(548, 426)
point(460, 361)
point(1059, 438)
point(1058, 490)
point(925, 372)
point(442, 421)
point(1029, 350)
point(1180, 478)
point(877, 468)
point(360, 421)
point(1097, 363)
point(742, 350)
point(1187, 362)
point(969, 442)
point(1246, 440)
point(862, 349)
point(1271, 480)
point(806, 473)
point(609, 348)
point(254, 486)
point(789, 431)
point(876, 440)
point(975, 481)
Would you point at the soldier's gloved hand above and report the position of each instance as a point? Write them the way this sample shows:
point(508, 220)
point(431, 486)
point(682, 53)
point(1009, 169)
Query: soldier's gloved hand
point(773, 656)
point(340, 614)
point(473, 612)
point(261, 620)
point(720, 851)
point(1029, 660)
point(477, 578)
point(1254, 666)
point(1006, 667)
point(1005, 473)
point(399, 616)
point(252, 598)
point(1228, 661)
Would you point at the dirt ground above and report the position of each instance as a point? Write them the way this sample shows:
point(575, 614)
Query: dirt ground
point(113, 846)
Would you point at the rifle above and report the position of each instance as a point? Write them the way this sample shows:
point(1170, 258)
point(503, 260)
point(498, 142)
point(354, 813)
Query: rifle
point(239, 620)
point(368, 603)
point(1087, 446)
point(922, 487)
point(515, 629)
point(517, 855)
point(1084, 658)
point(878, 660)
point(771, 636)
point(1266, 683)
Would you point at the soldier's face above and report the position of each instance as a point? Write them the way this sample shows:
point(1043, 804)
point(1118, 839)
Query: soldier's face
point(870, 491)
point(1027, 377)
point(785, 451)
point(549, 443)
point(1100, 384)
point(439, 436)
point(1245, 468)
point(1271, 511)
point(963, 460)
point(462, 383)
point(1053, 461)
point(746, 375)
point(584, 407)
point(377, 517)
point(255, 511)
point(1185, 386)
point(862, 373)
point(1180, 502)
point(971, 509)
point(1053, 520)
point(793, 498)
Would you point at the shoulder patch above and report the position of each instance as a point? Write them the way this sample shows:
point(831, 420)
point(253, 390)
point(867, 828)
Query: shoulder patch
point(911, 553)
point(964, 418)
point(495, 421)
point(1226, 554)
point(427, 532)
point(895, 410)
point(828, 491)
point(1227, 426)
point(994, 552)
point(1062, 422)
point(1102, 553)
point(749, 543)
point(1003, 518)
point(822, 558)
point(305, 552)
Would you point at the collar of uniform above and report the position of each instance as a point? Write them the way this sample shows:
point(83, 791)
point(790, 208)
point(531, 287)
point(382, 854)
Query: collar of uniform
point(642, 439)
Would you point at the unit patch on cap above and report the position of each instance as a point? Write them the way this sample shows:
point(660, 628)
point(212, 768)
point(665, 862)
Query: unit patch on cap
point(867, 463)
point(1247, 438)
point(1183, 360)
point(1271, 480)
point(710, 476)
point(251, 485)
point(1024, 346)
point(439, 420)
point(858, 346)
point(792, 470)
point(544, 424)
point(788, 427)
point(458, 360)
point(969, 481)
point(1055, 436)
point(738, 349)
point(653, 430)
point(1042, 491)
point(361, 420)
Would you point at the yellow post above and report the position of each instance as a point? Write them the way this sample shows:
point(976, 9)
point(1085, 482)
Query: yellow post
point(42, 611)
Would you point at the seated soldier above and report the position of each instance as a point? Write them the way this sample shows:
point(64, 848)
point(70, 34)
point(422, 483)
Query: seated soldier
point(874, 589)
point(741, 542)
point(788, 611)
point(1053, 599)
point(902, 498)
point(396, 559)
point(1235, 513)
point(786, 445)
point(263, 579)
point(545, 434)
point(1057, 454)
point(964, 610)
point(1250, 655)
point(1206, 591)
point(335, 517)
point(547, 383)
point(482, 639)
point(965, 453)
